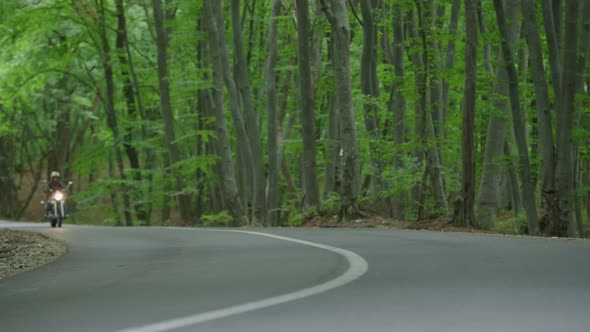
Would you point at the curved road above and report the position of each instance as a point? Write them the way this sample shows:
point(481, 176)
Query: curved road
point(163, 279)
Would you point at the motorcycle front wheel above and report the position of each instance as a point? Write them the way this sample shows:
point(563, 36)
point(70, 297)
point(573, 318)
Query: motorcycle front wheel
point(53, 222)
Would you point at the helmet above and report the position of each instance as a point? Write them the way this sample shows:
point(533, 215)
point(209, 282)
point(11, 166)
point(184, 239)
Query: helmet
point(55, 174)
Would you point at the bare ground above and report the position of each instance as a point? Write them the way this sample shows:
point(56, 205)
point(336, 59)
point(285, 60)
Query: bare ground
point(440, 224)
point(22, 251)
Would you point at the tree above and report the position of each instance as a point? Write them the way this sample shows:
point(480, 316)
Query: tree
point(543, 106)
point(130, 150)
point(165, 103)
point(310, 182)
point(465, 215)
point(243, 85)
point(370, 89)
point(338, 17)
point(563, 169)
point(161, 98)
point(272, 132)
point(488, 200)
point(527, 184)
point(425, 125)
point(110, 109)
point(230, 189)
point(399, 104)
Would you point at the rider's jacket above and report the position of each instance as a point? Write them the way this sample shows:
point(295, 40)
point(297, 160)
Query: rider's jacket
point(54, 185)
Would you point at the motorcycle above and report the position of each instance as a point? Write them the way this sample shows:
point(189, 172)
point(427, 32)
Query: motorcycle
point(56, 210)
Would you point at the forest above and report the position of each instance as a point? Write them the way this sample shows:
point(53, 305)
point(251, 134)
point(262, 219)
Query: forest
point(273, 112)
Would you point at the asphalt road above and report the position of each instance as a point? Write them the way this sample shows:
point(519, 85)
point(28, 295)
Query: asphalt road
point(154, 279)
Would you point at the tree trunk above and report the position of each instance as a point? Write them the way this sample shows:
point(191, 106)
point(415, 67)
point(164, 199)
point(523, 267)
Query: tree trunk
point(563, 170)
point(433, 63)
point(513, 180)
point(9, 198)
point(466, 215)
point(553, 46)
point(310, 178)
point(576, 178)
point(332, 144)
point(519, 130)
point(413, 52)
point(130, 150)
point(489, 187)
point(338, 16)
point(111, 114)
point(271, 77)
point(450, 57)
point(166, 104)
point(558, 21)
point(243, 85)
point(149, 154)
point(399, 106)
point(230, 188)
point(579, 118)
point(113, 194)
point(429, 136)
point(244, 147)
point(543, 106)
point(370, 90)
point(587, 182)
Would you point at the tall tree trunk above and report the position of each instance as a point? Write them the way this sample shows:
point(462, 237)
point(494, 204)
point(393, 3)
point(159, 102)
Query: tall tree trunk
point(9, 198)
point(399, 106)
point(216, 51)
point(130, 150)
point(527, 184)
point(563, 170)
point(429, 138)
point(113, 193)
point(487, 47)
point(310, 178)
point(576, 178)
point(450, 57)
point(370, 90)
point(553, 46)
point(271, 77)
point(432, 19)
point(489, 186)
point(251, 121)
point(244, 146)
point(579, 116)
point(558, 20)
point(111, 114)
point(465, 214)
point(149, 154)
point(543, 106)
point(332, 144)
point(513, 179)
point(587, 183)
point(338, 16)
point(419, 110)
point(166, 104)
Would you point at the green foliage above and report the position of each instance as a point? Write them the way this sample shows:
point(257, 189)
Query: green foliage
point(221, 219)
point(331, 204)
point(512, 225)
point(52, 95)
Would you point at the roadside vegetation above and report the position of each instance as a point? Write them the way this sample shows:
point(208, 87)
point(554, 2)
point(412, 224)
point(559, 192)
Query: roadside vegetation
point(465, 113)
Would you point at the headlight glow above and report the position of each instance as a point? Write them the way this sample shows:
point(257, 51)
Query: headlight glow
point(59, 195)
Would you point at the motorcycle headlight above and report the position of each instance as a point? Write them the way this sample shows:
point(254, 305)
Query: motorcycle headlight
point(58, 196)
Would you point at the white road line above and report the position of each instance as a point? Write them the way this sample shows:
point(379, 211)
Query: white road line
point(357, 266)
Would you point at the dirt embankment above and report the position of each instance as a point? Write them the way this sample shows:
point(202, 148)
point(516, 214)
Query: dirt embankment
point(22, 251)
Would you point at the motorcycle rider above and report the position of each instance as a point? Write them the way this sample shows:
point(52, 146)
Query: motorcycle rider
point(54, 184)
